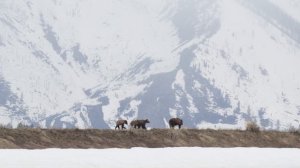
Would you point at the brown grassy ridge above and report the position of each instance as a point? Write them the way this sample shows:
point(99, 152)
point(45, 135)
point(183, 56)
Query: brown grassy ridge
point(35, 138)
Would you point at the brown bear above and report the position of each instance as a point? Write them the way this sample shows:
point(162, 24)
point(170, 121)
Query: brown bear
point(121, 123)
point(139, 123)
point(175, 121)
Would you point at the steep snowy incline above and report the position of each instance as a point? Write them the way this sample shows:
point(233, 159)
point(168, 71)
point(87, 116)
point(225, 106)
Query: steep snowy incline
point(214, 63)
point(53, 51)
point(255, 64)
point(236, 66)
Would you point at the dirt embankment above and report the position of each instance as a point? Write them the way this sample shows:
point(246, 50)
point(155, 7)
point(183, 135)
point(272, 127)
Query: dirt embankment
point(93, 138)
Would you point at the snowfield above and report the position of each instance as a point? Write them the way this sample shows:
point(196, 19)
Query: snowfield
point(151, 157)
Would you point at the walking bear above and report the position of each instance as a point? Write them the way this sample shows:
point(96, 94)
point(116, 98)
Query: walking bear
point(139, 123)
point(121, 123)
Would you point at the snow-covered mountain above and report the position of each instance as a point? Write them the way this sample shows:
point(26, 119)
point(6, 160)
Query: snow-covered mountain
point(214, 63)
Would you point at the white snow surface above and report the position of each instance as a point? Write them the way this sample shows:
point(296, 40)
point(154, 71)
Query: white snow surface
point(191, 157)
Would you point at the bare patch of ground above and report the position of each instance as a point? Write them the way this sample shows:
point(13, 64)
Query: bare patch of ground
point(31, 138)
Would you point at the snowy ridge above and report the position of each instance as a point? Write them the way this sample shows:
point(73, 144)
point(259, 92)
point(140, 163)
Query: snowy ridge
point(215, 64)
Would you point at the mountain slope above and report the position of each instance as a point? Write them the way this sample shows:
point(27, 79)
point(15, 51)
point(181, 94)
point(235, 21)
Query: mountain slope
point(213, 63)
